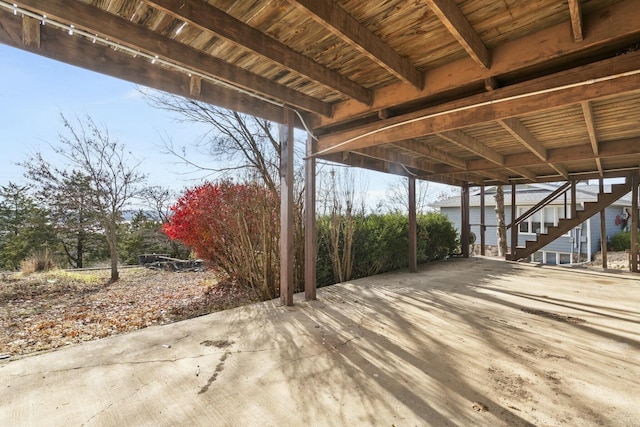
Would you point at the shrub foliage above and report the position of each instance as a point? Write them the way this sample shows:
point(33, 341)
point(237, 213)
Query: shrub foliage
point(380, 243)
point(235, 227)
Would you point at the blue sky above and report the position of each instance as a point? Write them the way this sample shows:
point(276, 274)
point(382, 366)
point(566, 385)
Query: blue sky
point(36, 90)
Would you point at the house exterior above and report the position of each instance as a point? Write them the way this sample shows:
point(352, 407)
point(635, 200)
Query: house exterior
point(578, 245)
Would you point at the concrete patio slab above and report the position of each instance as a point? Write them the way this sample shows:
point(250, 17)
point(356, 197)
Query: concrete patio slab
point(462, 342)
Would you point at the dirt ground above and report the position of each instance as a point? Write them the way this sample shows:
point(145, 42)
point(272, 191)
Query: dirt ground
point(477, 342)
point(46, 311)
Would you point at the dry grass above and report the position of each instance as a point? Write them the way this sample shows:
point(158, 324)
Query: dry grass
point(45, 311)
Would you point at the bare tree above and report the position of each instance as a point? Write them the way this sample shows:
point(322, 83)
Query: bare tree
point(397, 196)
point(111, 182)
point(238, 142)
point(502, 228)
point(242, 146)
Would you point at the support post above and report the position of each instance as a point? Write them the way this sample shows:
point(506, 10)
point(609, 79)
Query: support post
point(514, 227)
point(603, 231)
point(483, 227)
point(464, 233)
point(310, 247)
point(574, 208)
point(413, 227)
point(286, 208)
point(634, 222)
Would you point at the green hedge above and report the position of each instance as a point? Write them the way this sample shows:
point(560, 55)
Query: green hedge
point(621, 241)
point(381, 242)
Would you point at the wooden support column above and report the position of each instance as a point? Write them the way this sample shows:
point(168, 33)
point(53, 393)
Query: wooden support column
point(603, 231)
point(574, 208)
point(310, 247)
point(286, 207)
point(483, 227)
point(464, 214)
point(634, 222)
point(413, 227)
point(514, 227)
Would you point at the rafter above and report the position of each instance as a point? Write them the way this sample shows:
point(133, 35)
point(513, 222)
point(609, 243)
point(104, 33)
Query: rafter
point(608, 149)
point(432, 153)
point(585, 83)
point(587, 112)
point(575, 10)
point(522, 171)
point(522, 134)
point(338, 21)
point(463, 140)
point(117, 29)
point(203, 15)
point(455, 21)
point(396, 157)
point(606, 27)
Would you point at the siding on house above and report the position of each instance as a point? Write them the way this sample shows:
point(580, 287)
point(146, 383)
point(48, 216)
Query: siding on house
point(585, 238)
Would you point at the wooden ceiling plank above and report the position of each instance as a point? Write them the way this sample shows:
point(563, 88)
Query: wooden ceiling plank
point(117, 29)
point(606, 26)
point(608, 149)
point(461, 139)
point(432, 153)
point(452, 17)
point(209, 18)
point(396, 157)
point(339, 22)
point(520, 132)
point(81, 52)
point(575, 10)
point(561, 89)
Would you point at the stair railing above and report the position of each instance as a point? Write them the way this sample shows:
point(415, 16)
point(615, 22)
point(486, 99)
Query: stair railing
point(542, 203)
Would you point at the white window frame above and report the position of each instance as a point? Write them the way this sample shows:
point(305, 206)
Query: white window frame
point(557, 212)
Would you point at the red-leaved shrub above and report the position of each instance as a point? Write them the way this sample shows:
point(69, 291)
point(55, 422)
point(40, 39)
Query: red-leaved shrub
point(235, 227)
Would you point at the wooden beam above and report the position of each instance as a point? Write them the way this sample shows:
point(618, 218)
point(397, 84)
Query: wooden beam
point(587, 112)
point(393, 156)
point(432, 153)
point(560, 169)
point(522, 134)
point(203, 15)
point(603, 230)
point(458, 25)
point(413, 227)
point(634, 222)
point(120, 30)
point(607, 27)
point(310, 238)
point(31, 31)
point(525, 173)
point(608, 149)
point(575, 10)
point(333, 17)
point(286, 208)
point(494, 175)
point(464, 214)
point(593, 81)
point(483, 227)
point(465, 141)
point(81, 52)
point(195, 85)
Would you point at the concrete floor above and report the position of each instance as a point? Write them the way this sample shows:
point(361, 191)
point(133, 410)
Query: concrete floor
point(463, 342)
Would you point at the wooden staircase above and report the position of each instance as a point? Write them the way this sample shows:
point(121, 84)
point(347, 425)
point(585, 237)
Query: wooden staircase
point(566, 224)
